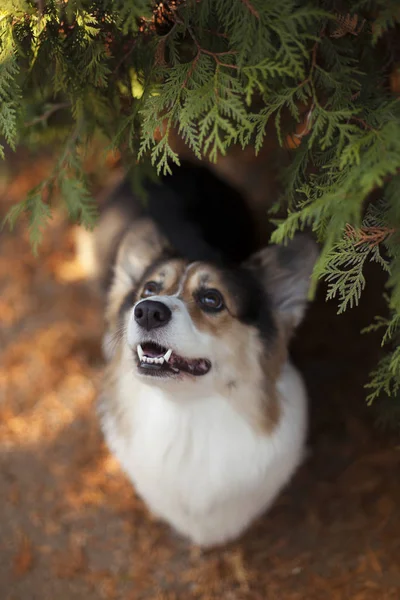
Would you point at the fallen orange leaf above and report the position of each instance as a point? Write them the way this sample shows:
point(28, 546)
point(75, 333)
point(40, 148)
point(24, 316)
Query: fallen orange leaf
point(23, 560)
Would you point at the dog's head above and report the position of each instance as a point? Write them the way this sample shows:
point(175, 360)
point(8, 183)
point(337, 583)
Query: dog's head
point(200, 326)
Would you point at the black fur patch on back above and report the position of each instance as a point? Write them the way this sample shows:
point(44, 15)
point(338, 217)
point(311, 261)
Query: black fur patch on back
point(203, 218)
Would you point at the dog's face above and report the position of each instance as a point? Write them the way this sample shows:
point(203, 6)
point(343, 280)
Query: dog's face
point(192, 322)
point(211, 329)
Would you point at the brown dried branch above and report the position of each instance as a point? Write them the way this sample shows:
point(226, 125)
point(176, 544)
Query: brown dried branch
point(40, 5)
point(192, 68)
point(313, 61)
point(52, 109)
point(373, 236)
point(216, 33)
point(159, 56)
point(251, 8)
point(215, 56)
point(364, 124)
point(348, 24)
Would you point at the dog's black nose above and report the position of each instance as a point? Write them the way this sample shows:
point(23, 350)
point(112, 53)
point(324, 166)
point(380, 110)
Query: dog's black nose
point(150, 314)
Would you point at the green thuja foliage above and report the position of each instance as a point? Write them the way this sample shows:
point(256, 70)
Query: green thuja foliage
point(325, 72)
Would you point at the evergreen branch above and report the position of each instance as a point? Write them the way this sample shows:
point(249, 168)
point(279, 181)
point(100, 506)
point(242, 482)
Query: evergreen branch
point(218, 72)
point(385, 378)
point(38, 212)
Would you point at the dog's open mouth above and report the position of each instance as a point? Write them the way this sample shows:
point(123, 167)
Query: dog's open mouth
point(155, 359)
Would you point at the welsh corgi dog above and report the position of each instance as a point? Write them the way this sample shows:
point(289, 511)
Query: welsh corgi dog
point(200, 402)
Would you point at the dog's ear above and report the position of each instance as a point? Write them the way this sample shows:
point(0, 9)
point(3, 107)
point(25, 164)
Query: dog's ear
point(140, 246)
point(285, 272)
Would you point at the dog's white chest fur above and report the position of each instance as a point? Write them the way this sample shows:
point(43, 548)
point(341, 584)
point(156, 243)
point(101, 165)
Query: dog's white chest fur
point(198, 464)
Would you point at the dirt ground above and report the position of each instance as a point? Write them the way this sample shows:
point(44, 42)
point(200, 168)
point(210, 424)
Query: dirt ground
point(71, 527)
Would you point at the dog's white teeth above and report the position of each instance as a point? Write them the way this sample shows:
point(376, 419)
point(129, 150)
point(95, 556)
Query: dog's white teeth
point(157, 360)
point(151, 361)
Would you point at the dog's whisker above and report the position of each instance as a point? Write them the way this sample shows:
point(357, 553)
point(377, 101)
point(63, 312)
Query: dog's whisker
point(115, 338)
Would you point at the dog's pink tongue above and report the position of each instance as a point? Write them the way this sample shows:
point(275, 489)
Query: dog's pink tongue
point(197, 366)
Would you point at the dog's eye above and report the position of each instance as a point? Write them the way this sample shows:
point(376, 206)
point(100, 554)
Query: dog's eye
point(211, 300)
point(151, 288)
